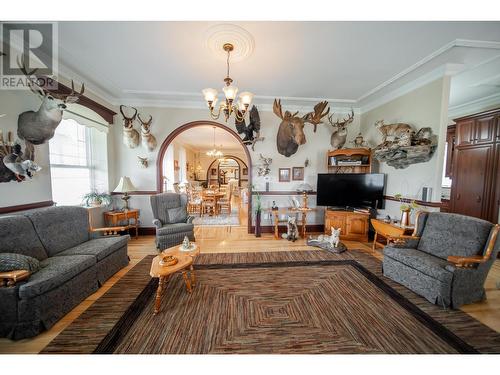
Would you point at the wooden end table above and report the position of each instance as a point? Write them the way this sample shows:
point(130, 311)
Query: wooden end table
point(184, 265)
point(388, 230)
point(113, 218)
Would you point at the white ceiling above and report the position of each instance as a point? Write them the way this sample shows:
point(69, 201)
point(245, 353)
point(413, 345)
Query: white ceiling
point(347, 63)
point(201, 138)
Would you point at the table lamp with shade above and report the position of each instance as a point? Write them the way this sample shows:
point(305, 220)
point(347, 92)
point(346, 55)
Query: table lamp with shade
point(125, 186)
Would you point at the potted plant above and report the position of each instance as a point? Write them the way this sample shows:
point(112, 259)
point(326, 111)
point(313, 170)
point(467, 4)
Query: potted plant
point(406, 207)
point(95, 199)
point(258, 212)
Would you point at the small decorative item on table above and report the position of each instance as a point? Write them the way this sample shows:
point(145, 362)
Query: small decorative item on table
point(168, 260)
point(187, 246)
point(407, 206)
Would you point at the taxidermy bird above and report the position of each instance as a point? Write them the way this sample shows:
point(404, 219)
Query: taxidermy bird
point(249, 130)
point(20, 167)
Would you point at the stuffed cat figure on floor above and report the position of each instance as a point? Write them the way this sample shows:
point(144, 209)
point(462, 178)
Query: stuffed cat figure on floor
point(292, 231)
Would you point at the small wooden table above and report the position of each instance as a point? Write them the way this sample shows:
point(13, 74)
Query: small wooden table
point(113, 218)
point(290, 210)
point(185, 265)
point(388, 230)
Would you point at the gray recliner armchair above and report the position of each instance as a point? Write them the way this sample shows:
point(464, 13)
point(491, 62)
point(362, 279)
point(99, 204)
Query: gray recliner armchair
point(171, 219)
point(447, 258)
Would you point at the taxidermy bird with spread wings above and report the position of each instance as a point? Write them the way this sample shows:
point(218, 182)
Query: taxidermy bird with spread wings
point(249, 130)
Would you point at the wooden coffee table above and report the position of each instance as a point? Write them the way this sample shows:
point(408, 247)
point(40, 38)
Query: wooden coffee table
point(184, 265)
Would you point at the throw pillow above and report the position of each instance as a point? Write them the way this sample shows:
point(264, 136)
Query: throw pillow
point(177, 215)
point(14, 262)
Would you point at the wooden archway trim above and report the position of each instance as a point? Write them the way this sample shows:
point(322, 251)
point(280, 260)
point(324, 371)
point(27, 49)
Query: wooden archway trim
point(194, 124)
point(228, 157)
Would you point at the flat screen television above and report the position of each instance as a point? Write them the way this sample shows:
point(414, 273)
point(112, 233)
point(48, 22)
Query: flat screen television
point(351, 190)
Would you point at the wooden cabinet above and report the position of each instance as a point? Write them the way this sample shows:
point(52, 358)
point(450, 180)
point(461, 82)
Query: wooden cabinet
point(475, 175)
point(353, 225)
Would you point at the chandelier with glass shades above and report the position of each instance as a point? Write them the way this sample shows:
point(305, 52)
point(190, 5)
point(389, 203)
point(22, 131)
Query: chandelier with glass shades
point(228, 107)
point(214, 153)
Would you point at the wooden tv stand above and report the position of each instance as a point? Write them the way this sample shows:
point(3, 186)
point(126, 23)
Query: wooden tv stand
point(354, 225)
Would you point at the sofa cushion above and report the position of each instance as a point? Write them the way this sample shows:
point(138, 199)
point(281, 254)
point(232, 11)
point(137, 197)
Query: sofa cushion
point(60, 228)
point(18, 236)
point(15, 262)
point(425, 263)
point(174, 228)
point(100, 248)
point(54, 272)
point(452, 234)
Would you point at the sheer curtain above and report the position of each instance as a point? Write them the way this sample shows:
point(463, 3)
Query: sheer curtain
point(168, 169)
point(182, 165)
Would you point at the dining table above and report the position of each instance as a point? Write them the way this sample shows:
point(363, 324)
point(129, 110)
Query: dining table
point(215, 195)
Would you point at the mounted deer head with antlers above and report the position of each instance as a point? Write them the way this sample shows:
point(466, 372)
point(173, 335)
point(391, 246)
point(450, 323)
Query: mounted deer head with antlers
point(36, 128)
point(148, 139)
point(130, 135)
point(339, 135)
point(291, 130)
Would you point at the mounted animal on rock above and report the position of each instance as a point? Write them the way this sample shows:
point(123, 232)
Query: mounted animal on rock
point(148, 139)
point(37, 127)
point(291, 130)
point(130, 135)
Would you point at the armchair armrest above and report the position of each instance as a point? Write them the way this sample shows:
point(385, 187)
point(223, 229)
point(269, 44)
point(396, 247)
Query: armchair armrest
point(190, 219)
point(12, 277)
point(469, 262)
point(157, 223)
point(403, 240)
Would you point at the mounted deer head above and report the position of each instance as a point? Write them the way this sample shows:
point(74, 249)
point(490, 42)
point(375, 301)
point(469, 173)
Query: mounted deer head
point(130, 135)
point(339, 135)
point(148, 139)
point(36, 128)
point(291, 130)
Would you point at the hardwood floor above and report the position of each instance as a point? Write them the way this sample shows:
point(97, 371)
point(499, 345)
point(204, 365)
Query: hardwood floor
point(236, 239)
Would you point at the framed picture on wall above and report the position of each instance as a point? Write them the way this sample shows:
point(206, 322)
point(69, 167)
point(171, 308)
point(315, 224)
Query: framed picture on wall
point(213, 171)
point(284, 174)
point(245, 171)
point(298, 173)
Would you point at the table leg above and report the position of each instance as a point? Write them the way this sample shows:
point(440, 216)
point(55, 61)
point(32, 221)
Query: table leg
point(136, 228)
point(374, 246)
point(193, 276)
point(188, 282)
point(304, 217)
point(276, 232)
point(159, 292)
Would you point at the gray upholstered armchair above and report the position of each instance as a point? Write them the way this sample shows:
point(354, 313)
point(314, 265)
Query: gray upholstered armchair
point(171, 219)
point(447, 258)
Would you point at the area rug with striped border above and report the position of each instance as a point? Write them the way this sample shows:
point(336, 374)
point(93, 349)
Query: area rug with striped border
point(268, 303)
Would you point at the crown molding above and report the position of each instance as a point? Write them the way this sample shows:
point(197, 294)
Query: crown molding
point(473, 106)
point(444, 70)
point(433, 55)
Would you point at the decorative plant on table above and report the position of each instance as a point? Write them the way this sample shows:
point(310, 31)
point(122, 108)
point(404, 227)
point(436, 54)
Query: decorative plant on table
point(258, 212)
point(406, 207)
point(95, 199)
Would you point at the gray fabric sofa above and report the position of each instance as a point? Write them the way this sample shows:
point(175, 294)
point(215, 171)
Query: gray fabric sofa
point(447, 260)
point(73, 264)
point(171, 219)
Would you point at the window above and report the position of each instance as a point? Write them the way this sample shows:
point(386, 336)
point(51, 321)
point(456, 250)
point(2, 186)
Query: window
point(73, 160)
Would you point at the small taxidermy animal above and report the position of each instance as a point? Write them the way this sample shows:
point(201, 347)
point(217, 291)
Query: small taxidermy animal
point(20, 167)
point(332, 240)
point(143, 162)
point(393, 131)
point(292, 230)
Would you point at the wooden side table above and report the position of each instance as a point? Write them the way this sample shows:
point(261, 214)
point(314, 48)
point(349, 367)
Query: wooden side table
point(113, 218)
point(388, 230)
point(281, 211)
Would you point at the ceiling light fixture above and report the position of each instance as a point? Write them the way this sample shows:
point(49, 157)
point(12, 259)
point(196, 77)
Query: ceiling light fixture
point(214, 153)
point(228, 107)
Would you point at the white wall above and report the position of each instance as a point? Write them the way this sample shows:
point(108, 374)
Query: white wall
point(424, 107)
point(165, 120)
point(38, 189)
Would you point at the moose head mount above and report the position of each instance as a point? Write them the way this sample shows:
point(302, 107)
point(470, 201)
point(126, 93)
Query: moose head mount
point(37, 127)
point(339, 135)
point(291, 130)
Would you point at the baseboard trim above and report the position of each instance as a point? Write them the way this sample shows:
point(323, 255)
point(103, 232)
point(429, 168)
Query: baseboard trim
point(24, 207)
point(311, 228)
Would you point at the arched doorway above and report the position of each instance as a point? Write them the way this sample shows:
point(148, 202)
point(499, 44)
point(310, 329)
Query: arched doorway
point(239, 165)
point(170, 138)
